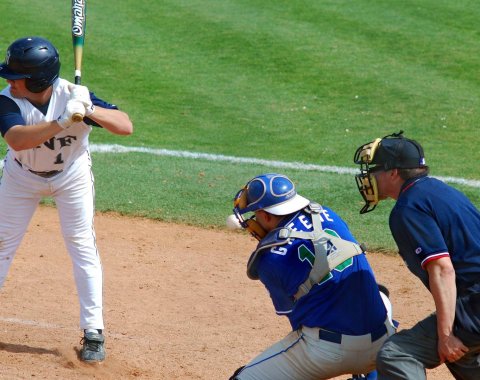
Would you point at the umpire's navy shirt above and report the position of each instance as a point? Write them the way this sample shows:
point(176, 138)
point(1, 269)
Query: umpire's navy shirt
point(431, 220)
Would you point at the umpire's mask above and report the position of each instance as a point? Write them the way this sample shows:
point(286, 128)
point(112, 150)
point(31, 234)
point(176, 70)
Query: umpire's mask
point(390, 152)
point(366, 182)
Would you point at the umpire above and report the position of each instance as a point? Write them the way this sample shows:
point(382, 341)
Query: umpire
point(437, 231)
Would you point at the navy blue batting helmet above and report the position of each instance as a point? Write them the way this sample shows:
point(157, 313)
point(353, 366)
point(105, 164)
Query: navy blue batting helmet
point(32, 58)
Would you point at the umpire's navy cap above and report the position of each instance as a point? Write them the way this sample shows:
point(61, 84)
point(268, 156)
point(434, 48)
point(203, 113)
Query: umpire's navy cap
point(398, 153)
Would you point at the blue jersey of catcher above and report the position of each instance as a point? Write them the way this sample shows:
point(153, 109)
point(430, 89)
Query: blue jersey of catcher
point(348, 290)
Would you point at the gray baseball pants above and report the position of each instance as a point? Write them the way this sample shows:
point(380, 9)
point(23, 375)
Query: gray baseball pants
point(303, 355)
point(407, 354)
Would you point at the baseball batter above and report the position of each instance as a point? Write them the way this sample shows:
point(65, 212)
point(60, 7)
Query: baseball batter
point(437, 230)
point(48, 155)
point(319, 278)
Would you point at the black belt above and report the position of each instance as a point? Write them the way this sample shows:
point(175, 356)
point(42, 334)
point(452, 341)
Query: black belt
point(47, 174)
point(335, 337)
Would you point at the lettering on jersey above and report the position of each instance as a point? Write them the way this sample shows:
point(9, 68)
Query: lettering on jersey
point(282, 251)
point(58, 159)
point(64, 141)
point(293, 228)
point(326, 215)
point(303, 219)
point(50, 144)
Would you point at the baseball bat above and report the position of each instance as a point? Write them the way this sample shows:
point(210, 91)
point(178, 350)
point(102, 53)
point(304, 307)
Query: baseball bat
point(79, 18)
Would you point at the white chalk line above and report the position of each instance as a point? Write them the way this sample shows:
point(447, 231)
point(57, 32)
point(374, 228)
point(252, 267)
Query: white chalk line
point(27, 322)
point(107, 148)
point(115, 148)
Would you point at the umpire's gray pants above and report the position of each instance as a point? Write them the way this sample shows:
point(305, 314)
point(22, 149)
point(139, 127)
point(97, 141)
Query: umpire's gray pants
point(407, 354)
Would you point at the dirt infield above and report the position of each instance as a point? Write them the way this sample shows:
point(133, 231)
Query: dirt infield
point(178, 304)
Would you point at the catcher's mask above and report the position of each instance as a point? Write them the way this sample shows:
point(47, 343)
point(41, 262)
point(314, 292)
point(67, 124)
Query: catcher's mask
point(273, 193)
point(390, 152)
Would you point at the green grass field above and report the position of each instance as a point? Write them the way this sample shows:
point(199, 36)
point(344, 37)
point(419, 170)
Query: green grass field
point(295, 81)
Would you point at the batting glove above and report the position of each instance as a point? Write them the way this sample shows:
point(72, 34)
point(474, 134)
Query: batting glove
point(74, 108)
point(82, 94)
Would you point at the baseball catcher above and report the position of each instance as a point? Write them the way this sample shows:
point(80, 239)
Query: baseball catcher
point(317, 276)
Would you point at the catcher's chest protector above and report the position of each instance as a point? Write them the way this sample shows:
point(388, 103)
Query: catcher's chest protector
point(330, 251)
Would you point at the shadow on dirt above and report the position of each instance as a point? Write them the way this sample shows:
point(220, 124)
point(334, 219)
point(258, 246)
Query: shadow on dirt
point(22, 348)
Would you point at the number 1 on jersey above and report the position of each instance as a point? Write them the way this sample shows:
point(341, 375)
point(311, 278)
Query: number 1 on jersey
point(58, 159)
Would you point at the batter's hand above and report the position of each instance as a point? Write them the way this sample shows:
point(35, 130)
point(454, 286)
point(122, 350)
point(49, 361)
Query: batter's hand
point(73, 107)
point(451, 348)
point(81, 93)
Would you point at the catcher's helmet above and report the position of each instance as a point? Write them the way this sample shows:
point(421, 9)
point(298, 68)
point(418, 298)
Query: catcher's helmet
point(273, 193)
point(32, 58)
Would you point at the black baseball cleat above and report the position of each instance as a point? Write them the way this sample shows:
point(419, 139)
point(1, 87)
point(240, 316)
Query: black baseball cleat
point(93, 347)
